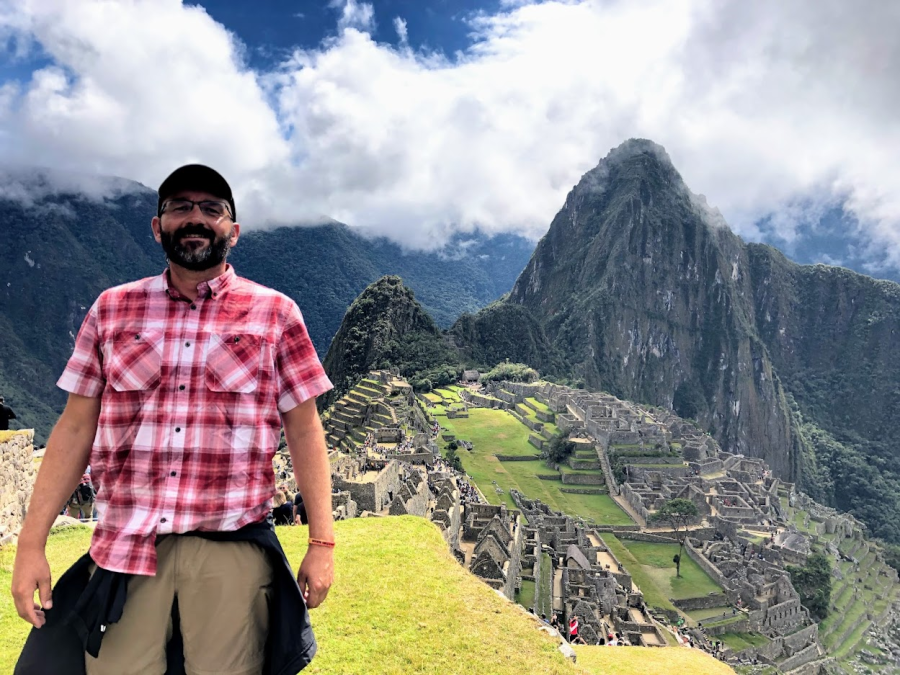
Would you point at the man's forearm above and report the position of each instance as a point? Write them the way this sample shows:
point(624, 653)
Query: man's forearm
point(65, 459)
point(309, 455)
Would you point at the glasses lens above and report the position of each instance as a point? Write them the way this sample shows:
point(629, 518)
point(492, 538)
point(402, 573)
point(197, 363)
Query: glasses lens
point(213, 209)
point(178, 206)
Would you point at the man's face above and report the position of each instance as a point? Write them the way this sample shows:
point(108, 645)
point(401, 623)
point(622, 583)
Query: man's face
point(194, 240)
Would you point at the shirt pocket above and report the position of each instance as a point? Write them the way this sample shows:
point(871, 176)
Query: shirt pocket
point(233, 362)
point(134, 360)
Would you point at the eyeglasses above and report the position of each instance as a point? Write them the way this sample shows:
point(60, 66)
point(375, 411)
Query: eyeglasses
point(182, 207)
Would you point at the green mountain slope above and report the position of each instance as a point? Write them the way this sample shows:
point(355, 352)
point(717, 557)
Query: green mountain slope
point(60, 250)
point(384, 327)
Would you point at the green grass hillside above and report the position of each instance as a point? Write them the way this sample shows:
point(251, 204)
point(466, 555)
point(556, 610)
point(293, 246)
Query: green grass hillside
point(496, 432)
point(401, 604)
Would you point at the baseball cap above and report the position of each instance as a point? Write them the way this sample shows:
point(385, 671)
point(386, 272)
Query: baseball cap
point(195, 177)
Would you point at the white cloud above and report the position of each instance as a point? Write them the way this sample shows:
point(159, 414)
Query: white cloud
point(358, 15)
point(762, 106)
point(400, 27)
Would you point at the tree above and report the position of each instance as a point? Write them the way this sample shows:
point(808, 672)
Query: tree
point(560, 448)
point(813, 584)
point(677, 514)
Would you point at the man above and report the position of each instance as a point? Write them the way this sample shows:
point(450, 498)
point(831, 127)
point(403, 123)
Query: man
point(178, 388)
point(6, 414)
point(81, 503)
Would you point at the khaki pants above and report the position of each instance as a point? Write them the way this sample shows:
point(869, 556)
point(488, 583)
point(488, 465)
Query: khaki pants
point(222, 589)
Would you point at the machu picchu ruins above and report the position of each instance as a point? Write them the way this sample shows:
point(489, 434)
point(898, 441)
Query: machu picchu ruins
point(389, 451)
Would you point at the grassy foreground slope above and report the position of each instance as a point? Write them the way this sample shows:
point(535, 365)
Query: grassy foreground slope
point(400, 604)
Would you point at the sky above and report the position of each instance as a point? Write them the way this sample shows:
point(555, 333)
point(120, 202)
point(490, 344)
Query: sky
point(421, 119)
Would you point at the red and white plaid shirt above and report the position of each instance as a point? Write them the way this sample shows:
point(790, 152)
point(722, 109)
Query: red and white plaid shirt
point(190, 399)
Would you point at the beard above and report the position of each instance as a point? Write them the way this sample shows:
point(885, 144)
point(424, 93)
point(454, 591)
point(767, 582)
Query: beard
point(200, 258)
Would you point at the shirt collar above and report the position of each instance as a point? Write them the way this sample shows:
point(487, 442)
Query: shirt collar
point(205, 289)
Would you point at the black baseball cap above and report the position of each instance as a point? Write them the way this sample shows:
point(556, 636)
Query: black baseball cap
point(195, 177)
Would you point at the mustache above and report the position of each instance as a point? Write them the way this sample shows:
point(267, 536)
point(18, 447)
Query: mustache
point(192, 230)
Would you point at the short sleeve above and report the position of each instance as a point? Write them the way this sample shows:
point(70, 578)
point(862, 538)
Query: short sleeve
point(84, 371)
point(299, 373)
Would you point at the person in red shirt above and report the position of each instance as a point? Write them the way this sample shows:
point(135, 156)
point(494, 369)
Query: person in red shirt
point(179, 386)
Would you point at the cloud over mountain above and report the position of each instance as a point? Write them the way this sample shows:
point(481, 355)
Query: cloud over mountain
point(764, 107)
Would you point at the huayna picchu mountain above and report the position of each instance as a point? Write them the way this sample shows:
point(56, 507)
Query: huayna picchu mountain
point(643, 291)
point(384, 327)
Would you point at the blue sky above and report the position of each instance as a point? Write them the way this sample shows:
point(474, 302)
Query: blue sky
point(273, 28)
point(420, 120)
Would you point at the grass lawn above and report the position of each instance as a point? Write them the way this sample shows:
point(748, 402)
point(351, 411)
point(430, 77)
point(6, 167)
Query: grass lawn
point(703, 614)
point(739, 641)
point(450, 394)
point(648, 661)
point(652, 569)
point(400, 604)
point(496, 432)
point(526, 594)
point(537, 404)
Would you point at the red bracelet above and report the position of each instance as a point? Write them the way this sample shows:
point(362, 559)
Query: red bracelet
point(321, 542)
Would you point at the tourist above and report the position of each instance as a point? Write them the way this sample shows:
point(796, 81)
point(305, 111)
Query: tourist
point(6, 414)
point(573, 628)
point(179, 386)
point(81, 502)
point(282, 508)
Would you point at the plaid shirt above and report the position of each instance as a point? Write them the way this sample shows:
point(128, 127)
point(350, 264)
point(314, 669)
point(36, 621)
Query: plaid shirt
point(190, 399)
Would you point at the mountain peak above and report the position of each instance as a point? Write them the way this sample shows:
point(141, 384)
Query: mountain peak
point(635, 161)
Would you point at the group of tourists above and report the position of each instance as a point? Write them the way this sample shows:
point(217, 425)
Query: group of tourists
point(288, 509)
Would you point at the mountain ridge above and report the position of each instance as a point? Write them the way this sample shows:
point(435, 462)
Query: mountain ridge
point(63, 248)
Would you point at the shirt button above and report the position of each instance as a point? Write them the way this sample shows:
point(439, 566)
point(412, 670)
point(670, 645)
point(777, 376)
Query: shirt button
point(181, 387)
point(162, 520)
point(172, 474)
point(193, 306)
point(137, 337)
point(187, 344)
point(177, 429)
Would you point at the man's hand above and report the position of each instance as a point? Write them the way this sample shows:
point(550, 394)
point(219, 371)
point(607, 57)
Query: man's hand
point(316, 574)
point(31, 573)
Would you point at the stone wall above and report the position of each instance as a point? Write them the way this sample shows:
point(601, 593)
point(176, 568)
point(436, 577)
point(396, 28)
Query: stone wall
point(706, 602)
point(515, 561)
point(377, 494)
point(803, 637)
point(582, 479)
point(801, 658)
point(706, 565)
point(17, 475)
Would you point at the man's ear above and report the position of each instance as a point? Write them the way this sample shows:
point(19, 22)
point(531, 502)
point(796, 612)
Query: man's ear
point(155, 226)
point(235, 233)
